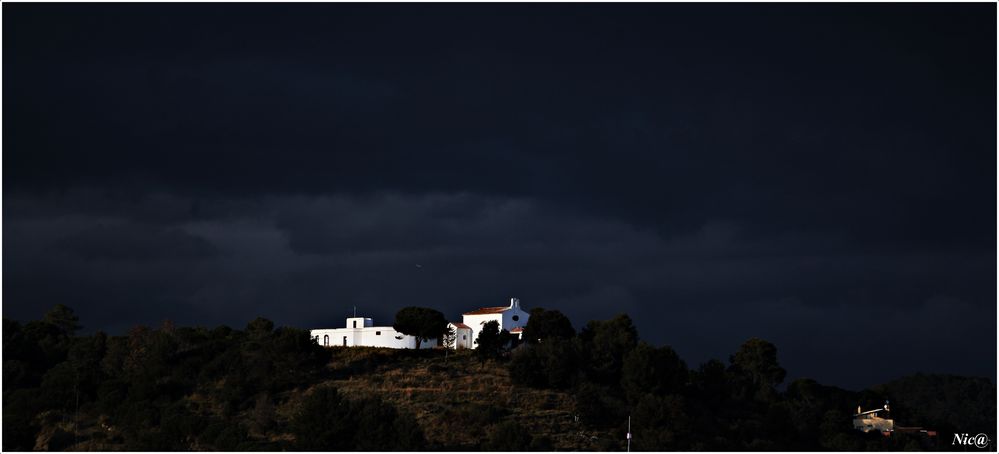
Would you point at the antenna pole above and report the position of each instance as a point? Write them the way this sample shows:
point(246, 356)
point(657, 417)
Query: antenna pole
point(629, 433)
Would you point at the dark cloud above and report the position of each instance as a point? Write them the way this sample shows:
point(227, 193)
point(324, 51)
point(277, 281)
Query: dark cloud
point(135, 242)
point(819, 175)
point(307, 260)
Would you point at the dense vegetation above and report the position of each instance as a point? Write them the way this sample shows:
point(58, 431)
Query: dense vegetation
point(737, 406)
point(261, 388)
point(177, 389)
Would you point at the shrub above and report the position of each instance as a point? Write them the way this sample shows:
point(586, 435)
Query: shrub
point(320, 423)
point(61, 440)
point(541, 443)
point(507, 436)
point(19, 425)
point(525, 368)
point(327, 422)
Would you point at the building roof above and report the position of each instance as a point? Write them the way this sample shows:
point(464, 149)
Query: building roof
point(460, 325)
point(516, 330)
point(488, 310)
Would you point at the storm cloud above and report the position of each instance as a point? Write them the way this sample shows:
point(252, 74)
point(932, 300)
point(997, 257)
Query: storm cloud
point(308, 260)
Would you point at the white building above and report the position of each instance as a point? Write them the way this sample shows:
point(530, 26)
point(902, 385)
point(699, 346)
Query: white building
point(867, 421)
point(361, 332)
point(462, 335)
point(511, 318)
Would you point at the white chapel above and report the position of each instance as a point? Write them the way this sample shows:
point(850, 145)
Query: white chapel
point(511, 318)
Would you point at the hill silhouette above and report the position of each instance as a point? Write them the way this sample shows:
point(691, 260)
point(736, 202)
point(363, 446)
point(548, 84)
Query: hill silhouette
point(266, 388)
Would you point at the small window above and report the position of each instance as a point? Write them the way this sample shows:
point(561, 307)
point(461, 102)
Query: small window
point(463, 337)
point(378, 333)
point(516, 317)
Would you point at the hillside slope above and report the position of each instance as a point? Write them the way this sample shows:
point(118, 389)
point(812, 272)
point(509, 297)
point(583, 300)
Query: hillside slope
point(457, 401)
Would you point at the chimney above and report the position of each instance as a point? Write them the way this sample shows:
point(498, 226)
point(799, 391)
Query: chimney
point(514, 302)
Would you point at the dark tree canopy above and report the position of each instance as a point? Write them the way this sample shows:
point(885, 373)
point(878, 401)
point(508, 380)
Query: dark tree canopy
point(491, 341)
point(544, 324)
point(138, 382)
point(63, 318)
point(660, 424)
point(259, 325)
point(756, 362)
point(319, 424)
point(710, 379)
point(421, 322)
point(553, 364)
point(141, 385)
point(525, 368)
point(649, 369)
point(380, 426)
point(606, 343)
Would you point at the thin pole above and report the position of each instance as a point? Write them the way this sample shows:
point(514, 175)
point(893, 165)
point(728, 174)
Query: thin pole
point(629, 433)
point(76, 415)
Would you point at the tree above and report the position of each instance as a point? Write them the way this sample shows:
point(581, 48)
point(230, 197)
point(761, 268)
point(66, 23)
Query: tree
point(756, 363)
point(544, 324)
point(420, 322)
point(560, 362)
point(598, 406)
point(293, 358)
point(20, 427)
point(321, 424)
point(259, 326)
point(76, 379)
point(381, 427)
point(659, 423)
point(709, 380)
point(491, 341)
point(552, 364)
point(648, 369)
point(263, 414)
point(328, 422)
point(448, 338)
point(23, 359)
point(606, 343)
point(525, 368)
point(52, 334)
point(62, 318)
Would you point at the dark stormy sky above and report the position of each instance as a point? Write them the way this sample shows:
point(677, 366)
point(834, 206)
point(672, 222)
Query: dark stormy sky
point(822, 176)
